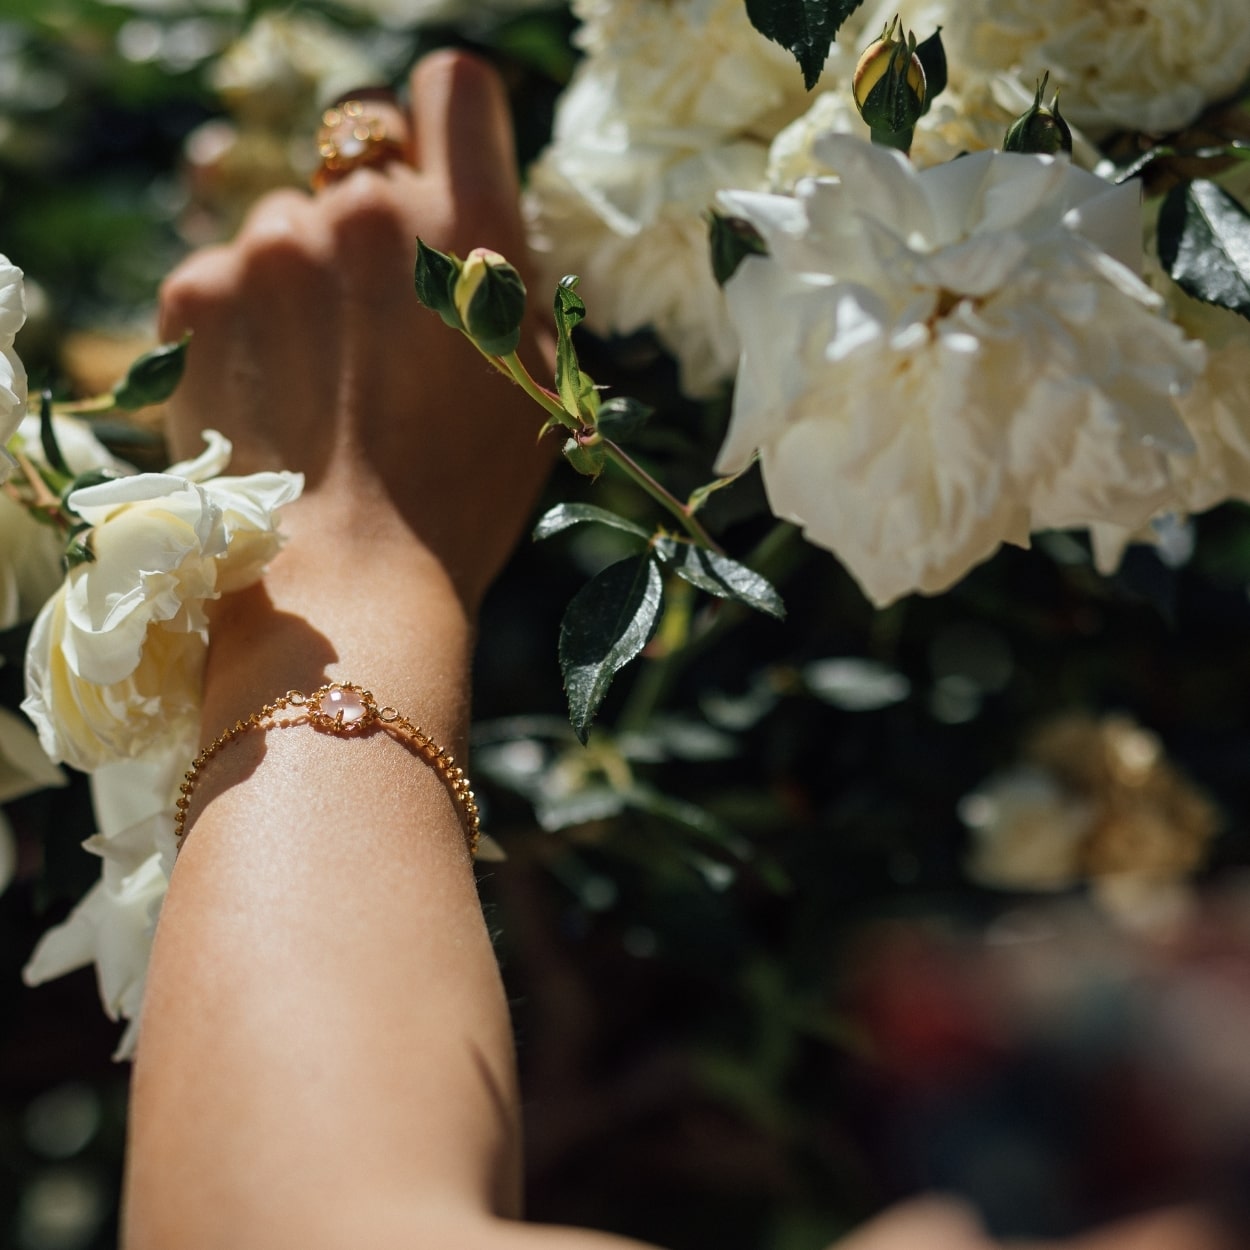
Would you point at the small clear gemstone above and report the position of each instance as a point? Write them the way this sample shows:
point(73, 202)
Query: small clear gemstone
point(347, 702)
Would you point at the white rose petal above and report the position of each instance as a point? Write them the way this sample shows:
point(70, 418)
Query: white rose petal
point(939, 361)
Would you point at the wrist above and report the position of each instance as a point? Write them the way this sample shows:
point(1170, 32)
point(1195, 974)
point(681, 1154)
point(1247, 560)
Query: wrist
point(381, 615)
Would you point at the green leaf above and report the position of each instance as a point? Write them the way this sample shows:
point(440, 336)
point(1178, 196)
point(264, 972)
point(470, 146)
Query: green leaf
point(932, 54)
point(622, 417)
point(152, 378)
point(564, 515)
point(576, 390)
point(732, 240)
point(606, 625)
point(1204, 243)
point(435, 280)
point(720, 576)
point(805, 28)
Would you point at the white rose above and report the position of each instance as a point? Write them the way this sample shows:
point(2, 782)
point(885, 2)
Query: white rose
point(634, 230)
point(1152, 65)
point(12, 372)
point(939, 361)
point(688, 65)
point(674, 102)
point(115, 656)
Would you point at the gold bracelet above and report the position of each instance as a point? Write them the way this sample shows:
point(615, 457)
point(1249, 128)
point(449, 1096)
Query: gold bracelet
point(347, 711)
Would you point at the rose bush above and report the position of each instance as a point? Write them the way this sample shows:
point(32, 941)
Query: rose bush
point(939, 361)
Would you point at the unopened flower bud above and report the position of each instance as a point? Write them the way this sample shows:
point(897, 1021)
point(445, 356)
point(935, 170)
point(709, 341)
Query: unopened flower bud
point(889, 86)
point(490, 299)
point(1038, 128)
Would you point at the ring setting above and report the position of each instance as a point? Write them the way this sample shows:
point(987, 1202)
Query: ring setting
point(351, 138)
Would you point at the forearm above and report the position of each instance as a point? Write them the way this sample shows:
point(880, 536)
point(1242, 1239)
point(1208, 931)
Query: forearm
point(325, 1029)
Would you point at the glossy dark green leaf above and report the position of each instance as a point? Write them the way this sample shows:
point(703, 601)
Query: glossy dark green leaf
point(563, 515)
point(732, 240)
point(435, 280)
point(1204, 243)
point(606, 625)
point(805, 28)
point(152, 378)
point(721, 576)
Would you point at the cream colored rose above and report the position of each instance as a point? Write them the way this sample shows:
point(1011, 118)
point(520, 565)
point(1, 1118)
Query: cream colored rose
point(939, 361)
point(673, 102)
point(115, 656)
point(12, 372)
point(1150, 65)
point(633, 228)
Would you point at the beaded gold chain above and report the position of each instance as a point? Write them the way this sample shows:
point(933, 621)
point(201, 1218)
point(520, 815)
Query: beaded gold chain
point(347, 711)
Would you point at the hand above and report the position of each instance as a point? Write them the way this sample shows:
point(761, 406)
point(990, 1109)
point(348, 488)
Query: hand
point(311, 352)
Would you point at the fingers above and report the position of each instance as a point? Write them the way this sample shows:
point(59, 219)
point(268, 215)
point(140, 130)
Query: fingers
point(464, 132)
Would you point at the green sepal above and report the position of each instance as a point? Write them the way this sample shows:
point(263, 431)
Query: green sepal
point(435, 280)
point(720, 575)
point(154, 377)
point(564, 515)
point(1204, 243)
point(606, 625)
point(732, 240)
point(577, 392)
point(892, 107)
point(1039, 129)
point(932, 54)
point(78, 550)
point(497, 310)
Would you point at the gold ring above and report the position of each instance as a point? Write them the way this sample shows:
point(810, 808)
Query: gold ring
point(348, 139)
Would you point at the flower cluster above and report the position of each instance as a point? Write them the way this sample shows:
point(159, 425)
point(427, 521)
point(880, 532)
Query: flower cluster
point(673, 102)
